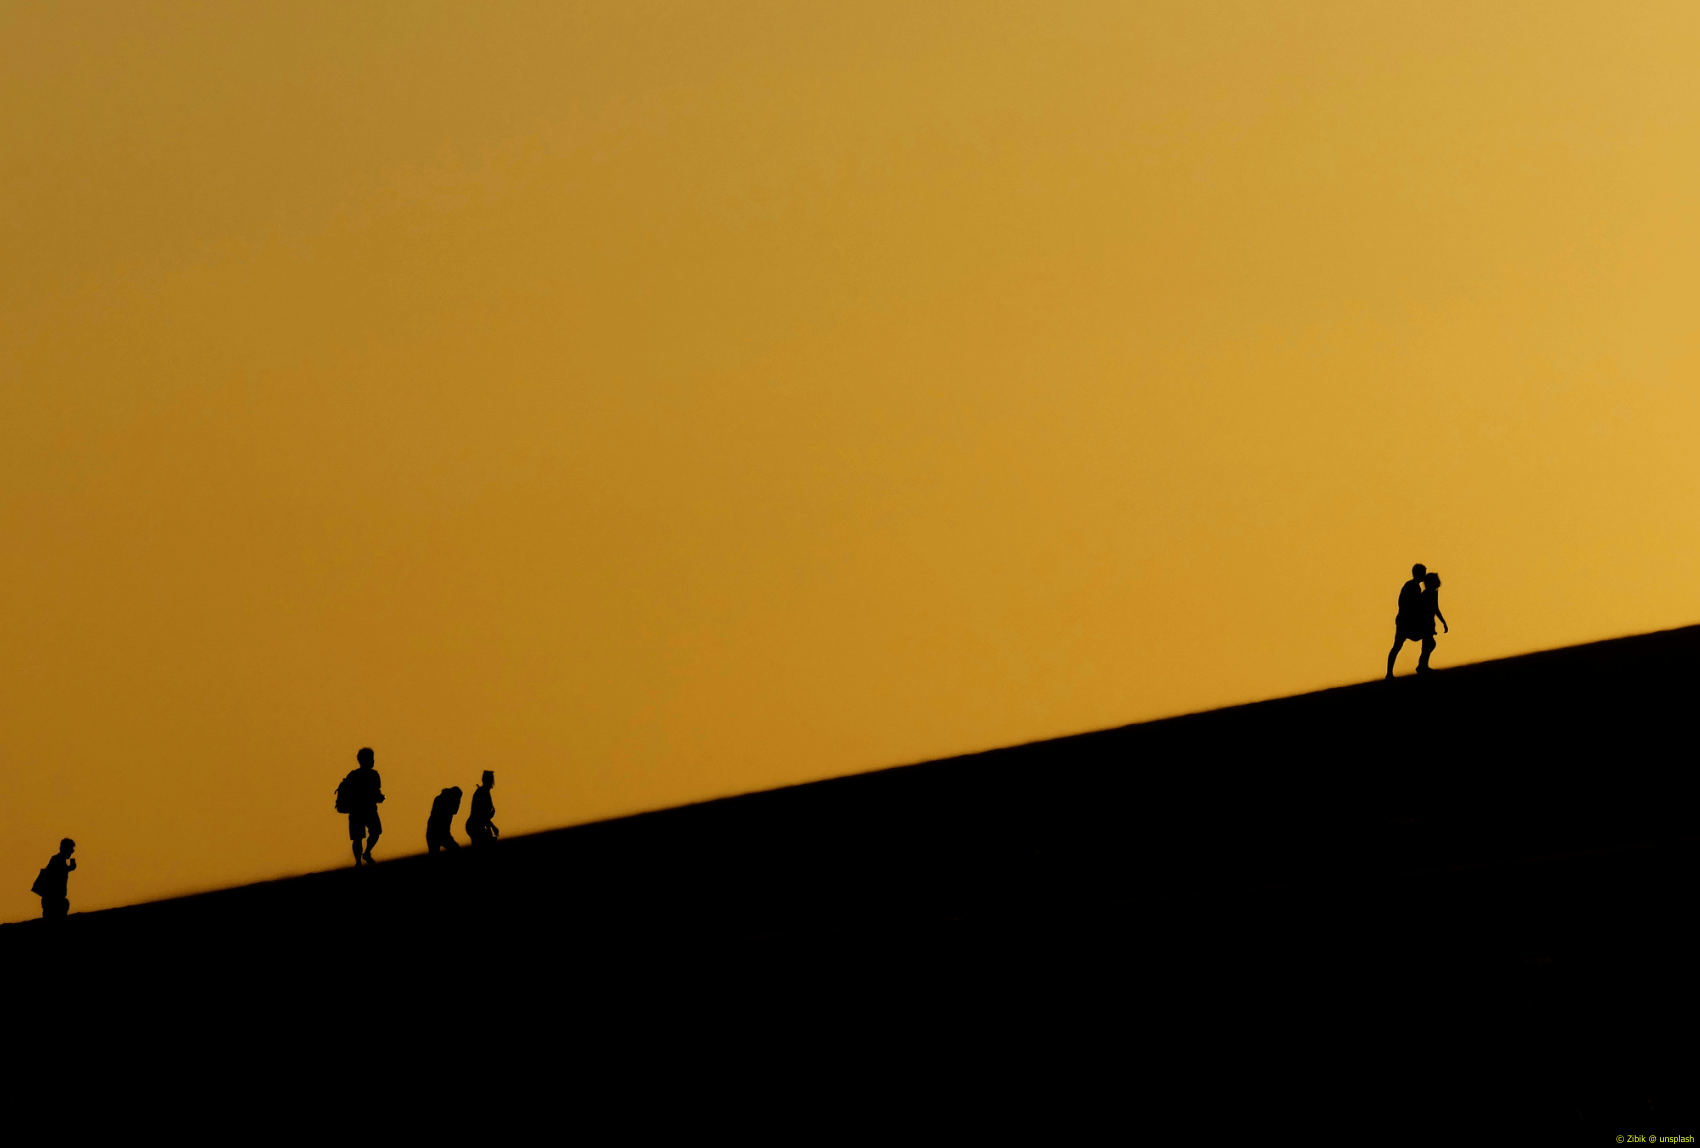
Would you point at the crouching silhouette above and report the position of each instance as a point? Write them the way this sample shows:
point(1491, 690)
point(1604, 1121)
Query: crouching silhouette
point(439, 833)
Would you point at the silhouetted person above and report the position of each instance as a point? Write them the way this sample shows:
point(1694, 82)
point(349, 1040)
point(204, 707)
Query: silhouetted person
point(1407, 626)
point(1429, 611)
point(52, 884)
point(439, 832)
point(1419, 605)
point(479, 826)
point(359, 796)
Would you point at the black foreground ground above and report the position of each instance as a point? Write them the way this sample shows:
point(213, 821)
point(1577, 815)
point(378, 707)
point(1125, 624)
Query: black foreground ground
point(1432, 901)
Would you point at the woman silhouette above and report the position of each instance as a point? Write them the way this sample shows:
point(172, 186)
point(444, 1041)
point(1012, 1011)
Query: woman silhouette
point(1428, 610)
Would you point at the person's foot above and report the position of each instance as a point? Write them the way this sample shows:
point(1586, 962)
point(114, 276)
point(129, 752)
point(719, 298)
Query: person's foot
point(368, 859)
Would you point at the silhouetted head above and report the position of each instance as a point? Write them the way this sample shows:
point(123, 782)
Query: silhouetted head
point(364, 757)
point(67, 847)
point(1418, 570)
point(489, 779)
point(1432, 581)
point(452, 796)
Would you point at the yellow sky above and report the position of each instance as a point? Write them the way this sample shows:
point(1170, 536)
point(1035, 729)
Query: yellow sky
point(653, 401)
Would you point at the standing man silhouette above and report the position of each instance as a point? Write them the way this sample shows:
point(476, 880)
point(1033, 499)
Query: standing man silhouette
point(1415, 622)
point(479, 825)
point(359, 796)
point(52, 884)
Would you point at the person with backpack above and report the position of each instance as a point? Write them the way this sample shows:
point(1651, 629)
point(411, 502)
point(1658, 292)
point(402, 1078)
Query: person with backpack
point(359, 796)
point(439, 833)
point(52, 884)
point(479, 825)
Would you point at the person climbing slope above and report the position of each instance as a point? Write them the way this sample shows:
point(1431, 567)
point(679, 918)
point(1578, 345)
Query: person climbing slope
point(52, 884)
point(479, 825)
point(1428, 609)
point(359, 796)
point(1418, 606)
point(439, 832)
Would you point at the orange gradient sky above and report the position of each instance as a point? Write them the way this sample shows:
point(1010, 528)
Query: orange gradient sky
point(656, 401)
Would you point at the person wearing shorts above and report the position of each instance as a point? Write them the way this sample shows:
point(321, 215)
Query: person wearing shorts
point(360, 793)
point(360, 823)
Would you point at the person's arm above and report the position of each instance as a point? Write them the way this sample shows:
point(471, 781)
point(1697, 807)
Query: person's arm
point(1438, 614)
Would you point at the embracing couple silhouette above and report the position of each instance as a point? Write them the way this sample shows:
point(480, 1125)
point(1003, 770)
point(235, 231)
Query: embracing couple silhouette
point(1419, 606)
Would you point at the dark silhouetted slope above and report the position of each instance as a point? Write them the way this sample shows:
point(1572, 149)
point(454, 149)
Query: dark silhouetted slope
point(1480, 881)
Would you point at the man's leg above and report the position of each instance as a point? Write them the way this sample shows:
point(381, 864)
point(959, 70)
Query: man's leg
point(372, 841)
point(1398, 641)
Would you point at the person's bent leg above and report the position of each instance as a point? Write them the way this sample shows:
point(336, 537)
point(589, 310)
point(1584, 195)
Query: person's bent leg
point(372, 843)
point(1428, 648)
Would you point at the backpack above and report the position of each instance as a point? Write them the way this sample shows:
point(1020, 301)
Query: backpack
point(41, 880)
point(344, 801)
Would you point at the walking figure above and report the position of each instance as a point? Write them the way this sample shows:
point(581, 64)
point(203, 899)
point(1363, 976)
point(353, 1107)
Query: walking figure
point(359, 796)
point(1419, 606)
point(479, 826)
point(438, 831)
point(52, 884)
